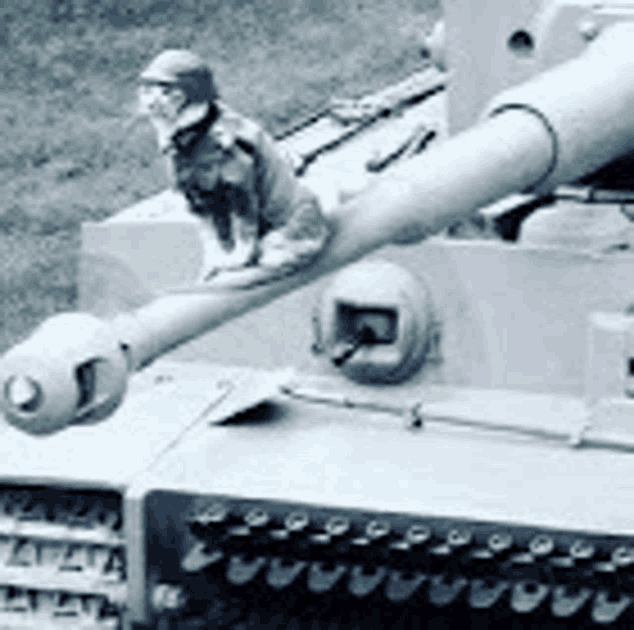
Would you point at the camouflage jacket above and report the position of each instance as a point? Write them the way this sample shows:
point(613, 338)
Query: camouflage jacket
point(228, 166)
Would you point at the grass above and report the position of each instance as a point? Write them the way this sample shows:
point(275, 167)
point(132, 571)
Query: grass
point(66, 155)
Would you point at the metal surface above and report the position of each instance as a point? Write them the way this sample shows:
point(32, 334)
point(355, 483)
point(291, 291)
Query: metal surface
point(585, 434)
point(345, 459)
point(164, 403)
point(370, 461)
point(345, 120)
point(590, 122)
point(509, 313)
point(478, 56)
point(53, 383)
point(65, 534)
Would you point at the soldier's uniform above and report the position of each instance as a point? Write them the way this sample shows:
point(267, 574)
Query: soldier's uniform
point(235, 179)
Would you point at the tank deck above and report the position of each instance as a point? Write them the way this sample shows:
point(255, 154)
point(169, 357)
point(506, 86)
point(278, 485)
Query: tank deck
point(298, 451)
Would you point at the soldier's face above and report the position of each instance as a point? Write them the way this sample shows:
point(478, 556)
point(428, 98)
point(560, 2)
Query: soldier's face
point(161, 100)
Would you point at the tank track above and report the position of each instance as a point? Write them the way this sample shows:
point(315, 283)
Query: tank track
point(320, 566)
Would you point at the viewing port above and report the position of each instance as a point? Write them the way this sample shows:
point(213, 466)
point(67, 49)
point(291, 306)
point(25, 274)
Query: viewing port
point(351, 321)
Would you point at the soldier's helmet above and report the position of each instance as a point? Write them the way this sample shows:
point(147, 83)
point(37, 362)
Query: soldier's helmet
point(185, 70)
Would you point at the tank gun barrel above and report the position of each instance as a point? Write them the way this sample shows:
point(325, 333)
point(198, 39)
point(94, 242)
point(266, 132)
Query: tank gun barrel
point(557, 127)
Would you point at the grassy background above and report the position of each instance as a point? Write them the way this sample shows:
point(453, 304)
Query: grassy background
point(69, 71)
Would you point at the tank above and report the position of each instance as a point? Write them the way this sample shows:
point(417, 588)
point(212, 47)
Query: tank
point(421, 429)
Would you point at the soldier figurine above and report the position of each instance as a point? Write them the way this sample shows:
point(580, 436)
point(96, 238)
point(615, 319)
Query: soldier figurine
point(258, 222)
